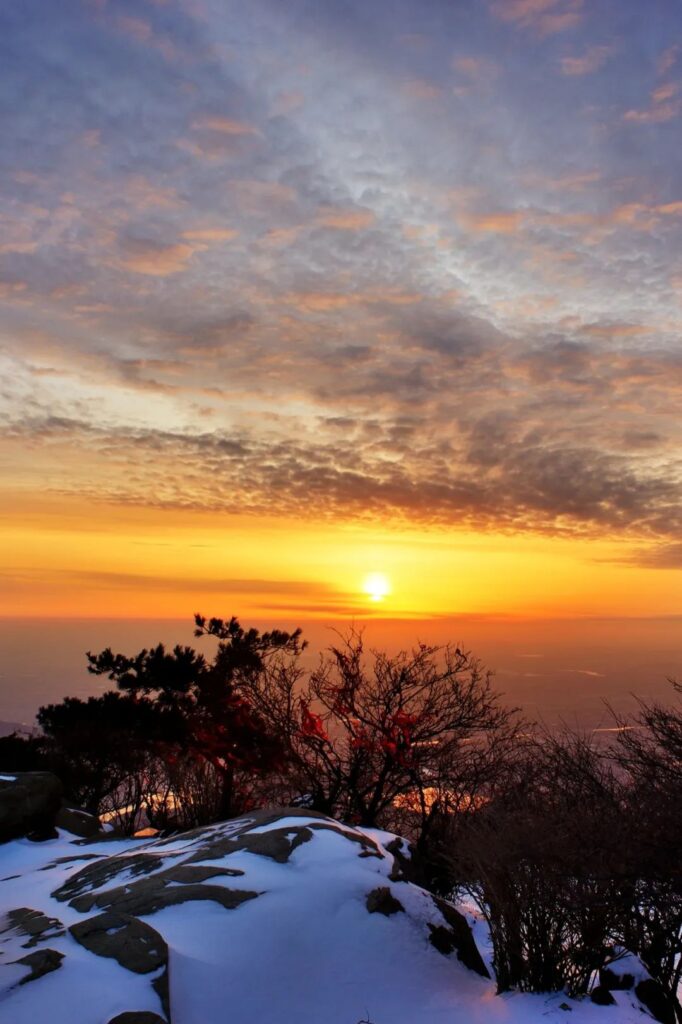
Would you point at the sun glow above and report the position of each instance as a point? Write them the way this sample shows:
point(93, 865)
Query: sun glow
point(376, 586)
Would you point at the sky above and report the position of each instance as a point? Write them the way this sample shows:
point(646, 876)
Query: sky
point(296, 293)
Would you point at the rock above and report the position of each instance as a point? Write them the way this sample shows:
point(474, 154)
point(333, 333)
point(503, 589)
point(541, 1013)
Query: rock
point(613, 981)
point(103, 869)
point(268, 878)
point(41, 962)
point(148, 895)
point(457, 936)
point(77, 822)
point(625, 972)
point(442, 939)
point(137, 1017)
point(400, 871)
point(602, 996)
point(33, 925)
point(133, 944)
point(382, 901)
point(622, 971)
point(29, 802)
point(652, 995)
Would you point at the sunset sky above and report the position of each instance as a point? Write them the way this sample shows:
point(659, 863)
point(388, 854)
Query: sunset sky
point(293, 292)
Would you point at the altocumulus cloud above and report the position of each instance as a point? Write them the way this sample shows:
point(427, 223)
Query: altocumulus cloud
point(387, 277)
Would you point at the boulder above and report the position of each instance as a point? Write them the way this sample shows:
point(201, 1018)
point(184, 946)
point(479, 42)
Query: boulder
point(626, 972)
point(77, 821)
point(40, 963)
point(601, 996)
point(659, 1004)
point(29, 803)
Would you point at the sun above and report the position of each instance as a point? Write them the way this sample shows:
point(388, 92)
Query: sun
point(377, 586)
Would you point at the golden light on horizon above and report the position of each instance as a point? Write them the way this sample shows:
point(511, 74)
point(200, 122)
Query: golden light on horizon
point(59, 561)
point(377, 586)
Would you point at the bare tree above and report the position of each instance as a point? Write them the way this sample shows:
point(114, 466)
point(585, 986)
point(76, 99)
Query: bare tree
point(396, 741)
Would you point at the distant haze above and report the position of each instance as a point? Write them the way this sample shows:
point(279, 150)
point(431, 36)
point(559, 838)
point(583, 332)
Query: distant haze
point(554, 669)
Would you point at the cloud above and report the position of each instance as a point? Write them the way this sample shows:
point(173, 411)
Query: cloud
point(10, 290)
point(476, 68)
point(326, 295)
point(421, 89)
point(546, 17)
point(504, 222)
point(101, 580)
point(223, 126)
point(667, 60)
point(263, 594)
point(141, 31)
point(507, 477)
point(261, 197)
point(665, 105)
point(659, 556)
point(590, 61)
point(214, 234)
point(155, 259)
point(344, 219)
point(578, 181)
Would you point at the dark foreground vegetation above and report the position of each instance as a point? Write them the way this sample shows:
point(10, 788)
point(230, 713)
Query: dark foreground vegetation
point(571, 850)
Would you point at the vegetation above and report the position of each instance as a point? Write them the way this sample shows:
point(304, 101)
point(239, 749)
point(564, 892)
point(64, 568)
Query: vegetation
point(571, 851)
point(577, 855)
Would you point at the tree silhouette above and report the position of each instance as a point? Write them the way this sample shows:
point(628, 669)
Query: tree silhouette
point(202, 707)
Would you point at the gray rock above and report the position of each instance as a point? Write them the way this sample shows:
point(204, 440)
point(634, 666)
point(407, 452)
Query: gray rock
point(40, 962)
point(456, 936)
point(133, 944)
point(103, 869)
point(148, 895)
point(382, 901)
point(35, 926)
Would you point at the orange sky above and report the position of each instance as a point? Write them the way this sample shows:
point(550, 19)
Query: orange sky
point(286, 301)
point(63, 556)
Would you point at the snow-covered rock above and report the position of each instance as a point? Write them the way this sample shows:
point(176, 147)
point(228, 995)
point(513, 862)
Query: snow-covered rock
point(626, 972)
point(281, 917)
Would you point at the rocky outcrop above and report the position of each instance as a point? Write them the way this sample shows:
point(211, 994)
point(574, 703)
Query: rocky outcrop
point(230, 902)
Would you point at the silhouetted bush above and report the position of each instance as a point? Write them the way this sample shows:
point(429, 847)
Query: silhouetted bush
point(649, 753)
point(539, 859)
point(94, 745)
point(399, 742)
point(22, 754)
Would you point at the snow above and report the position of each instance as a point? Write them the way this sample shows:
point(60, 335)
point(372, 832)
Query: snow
point(304, 951)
